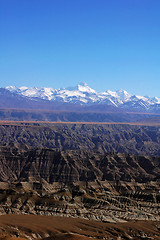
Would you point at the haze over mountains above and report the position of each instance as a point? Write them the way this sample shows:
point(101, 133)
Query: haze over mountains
point(82, 95)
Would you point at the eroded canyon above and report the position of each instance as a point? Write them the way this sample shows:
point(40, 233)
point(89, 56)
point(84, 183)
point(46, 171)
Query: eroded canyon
point(97, 172)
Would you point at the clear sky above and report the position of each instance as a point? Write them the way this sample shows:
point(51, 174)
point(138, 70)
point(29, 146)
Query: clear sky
point(109, 44)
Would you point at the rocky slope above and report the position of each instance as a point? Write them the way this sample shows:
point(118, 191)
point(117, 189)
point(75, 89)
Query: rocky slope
point(74, 166)
point(121, 138)
point(97, 172)
point(105, 201)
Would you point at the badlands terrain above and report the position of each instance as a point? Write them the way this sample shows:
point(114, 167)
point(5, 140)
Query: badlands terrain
point(79, 181)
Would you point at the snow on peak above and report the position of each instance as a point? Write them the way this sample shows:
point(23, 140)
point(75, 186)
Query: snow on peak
point(124, 95)
point(111, 93)
point(83, 94)
point(23, 88)
point(12, 88)
point(156, 99)
point(30, 92)
point(83, 87)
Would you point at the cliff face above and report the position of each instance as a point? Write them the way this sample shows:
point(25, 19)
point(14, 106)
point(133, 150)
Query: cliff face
point(79, 152)
point(74, 166)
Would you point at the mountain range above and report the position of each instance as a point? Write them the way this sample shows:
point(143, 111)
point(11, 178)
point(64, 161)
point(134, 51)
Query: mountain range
point(82, 95)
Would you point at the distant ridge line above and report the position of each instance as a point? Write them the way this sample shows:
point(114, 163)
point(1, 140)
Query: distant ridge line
point(79, 123)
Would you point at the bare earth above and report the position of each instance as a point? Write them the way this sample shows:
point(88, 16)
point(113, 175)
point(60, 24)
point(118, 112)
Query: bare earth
point(58, 228)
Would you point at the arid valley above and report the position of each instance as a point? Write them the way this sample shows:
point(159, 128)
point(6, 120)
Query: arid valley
point(79, 181)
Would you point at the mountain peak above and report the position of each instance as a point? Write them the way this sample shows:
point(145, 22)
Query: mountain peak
point(83, 94)
point(121, 91)
point(12, 88)
point(124, 95)
point(83, 87)
point(84, 84)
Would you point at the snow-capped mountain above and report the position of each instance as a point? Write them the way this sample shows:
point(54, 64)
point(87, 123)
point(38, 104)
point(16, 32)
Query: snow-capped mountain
point(84, 95)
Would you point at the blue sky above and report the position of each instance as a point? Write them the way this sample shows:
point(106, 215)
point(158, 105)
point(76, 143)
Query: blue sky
point(109, 44)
